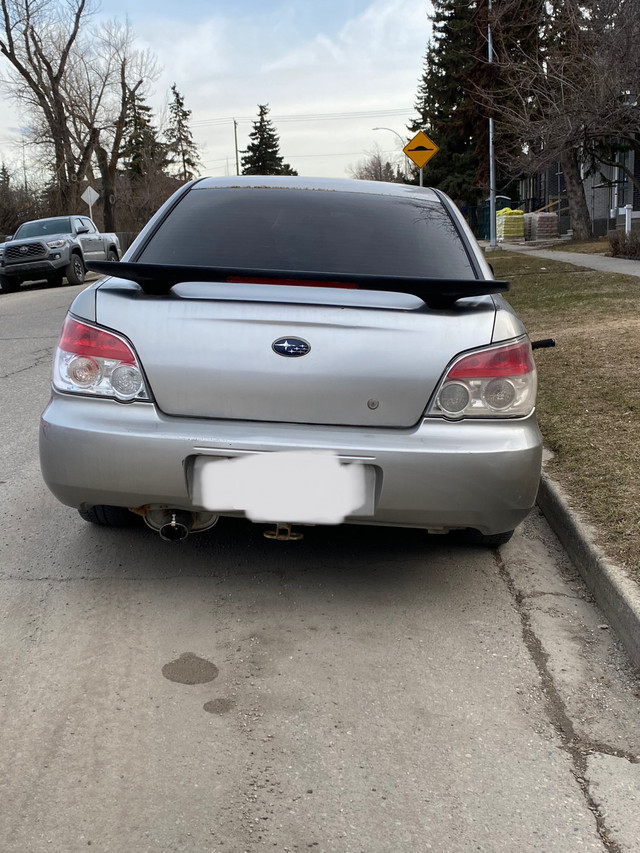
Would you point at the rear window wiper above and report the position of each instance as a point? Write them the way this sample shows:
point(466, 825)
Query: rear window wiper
point(159, 279)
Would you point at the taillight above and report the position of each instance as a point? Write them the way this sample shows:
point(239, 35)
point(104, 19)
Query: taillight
point(90, 360)
point(499, 382)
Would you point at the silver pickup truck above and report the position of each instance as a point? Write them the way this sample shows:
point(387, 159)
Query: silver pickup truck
point(52, 249)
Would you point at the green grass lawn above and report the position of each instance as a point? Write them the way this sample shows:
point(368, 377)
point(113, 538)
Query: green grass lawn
point(589, 390)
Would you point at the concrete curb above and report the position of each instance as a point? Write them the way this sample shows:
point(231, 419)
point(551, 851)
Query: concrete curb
point(616, 595)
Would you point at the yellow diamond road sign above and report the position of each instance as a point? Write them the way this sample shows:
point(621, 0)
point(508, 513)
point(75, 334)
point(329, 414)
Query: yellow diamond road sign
point(420, 149)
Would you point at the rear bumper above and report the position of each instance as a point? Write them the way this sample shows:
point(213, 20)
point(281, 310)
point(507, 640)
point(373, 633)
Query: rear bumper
point(437, 474)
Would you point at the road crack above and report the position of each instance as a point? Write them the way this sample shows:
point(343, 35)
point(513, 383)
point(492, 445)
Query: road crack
point(39, 357)
point(573, 744)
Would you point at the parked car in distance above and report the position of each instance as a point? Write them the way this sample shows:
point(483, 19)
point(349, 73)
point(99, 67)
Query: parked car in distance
point(296, 351)
point(53, 249)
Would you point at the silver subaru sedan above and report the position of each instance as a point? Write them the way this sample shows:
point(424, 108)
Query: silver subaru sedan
point(296, 351)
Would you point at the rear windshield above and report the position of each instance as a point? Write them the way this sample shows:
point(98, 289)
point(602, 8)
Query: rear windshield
point(44, 227)
point(312, 231)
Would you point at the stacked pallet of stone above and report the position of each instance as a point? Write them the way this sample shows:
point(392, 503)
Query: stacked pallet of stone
point(529, 225)
point(547, 226)
point(510, 224)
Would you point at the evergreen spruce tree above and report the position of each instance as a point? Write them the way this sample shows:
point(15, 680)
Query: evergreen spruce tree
point(142, 151)
point(5, 177)
point(262, 156)
point(459, 90)
point(446, 110)
point(181, 148)
point(6, 200)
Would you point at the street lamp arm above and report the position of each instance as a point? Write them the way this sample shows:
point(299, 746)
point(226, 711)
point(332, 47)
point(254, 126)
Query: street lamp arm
point(403, 143)
point(391, 131)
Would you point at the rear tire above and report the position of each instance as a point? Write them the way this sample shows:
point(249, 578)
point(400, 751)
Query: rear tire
point(109, 516)
point(9, 285)
point(74, 271)
point(489, 540)
point(112, 255)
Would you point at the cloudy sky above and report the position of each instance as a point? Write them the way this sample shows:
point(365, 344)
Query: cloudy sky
point(330, 71)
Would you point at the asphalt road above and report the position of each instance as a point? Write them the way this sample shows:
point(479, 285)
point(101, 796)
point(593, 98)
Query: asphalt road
point(361, 691)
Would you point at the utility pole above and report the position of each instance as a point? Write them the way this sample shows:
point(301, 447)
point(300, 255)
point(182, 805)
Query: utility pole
point(492, 165)
point(235, 138)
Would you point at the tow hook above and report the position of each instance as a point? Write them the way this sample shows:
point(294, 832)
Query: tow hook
point(283, 533)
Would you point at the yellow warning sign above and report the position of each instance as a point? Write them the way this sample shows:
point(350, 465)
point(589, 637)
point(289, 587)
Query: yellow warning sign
point(420, 149)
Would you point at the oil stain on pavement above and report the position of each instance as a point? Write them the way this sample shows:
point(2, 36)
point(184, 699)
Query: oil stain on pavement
point(190, 669)
point(219, 706)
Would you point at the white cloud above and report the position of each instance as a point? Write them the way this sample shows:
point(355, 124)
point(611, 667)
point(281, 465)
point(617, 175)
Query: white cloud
point(298, 59)
point(227, 66)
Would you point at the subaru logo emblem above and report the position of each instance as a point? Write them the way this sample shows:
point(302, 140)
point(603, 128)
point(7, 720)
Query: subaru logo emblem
point(291, 347)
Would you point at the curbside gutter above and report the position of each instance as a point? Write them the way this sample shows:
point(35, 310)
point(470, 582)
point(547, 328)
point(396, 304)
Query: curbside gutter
point(616, 595)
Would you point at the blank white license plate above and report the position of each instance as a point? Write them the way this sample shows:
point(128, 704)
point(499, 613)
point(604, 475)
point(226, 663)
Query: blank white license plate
point(307, 487)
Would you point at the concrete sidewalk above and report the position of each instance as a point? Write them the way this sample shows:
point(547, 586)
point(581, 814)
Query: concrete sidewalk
point(578, 259)
point(615, 593)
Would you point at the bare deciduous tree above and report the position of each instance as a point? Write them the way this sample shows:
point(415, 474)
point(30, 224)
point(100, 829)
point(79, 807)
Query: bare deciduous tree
point(18, 202)
point(121, 75)
point(37, 39)
point(75, 82)
point(376, 168)
point(571, 99)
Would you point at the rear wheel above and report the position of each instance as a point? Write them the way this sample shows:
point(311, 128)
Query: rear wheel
point(112, 255)
point(489, 540)
point(74, 271)
point(109, 516)
point(9, 285)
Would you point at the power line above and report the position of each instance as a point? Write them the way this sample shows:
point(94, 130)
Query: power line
point(307, 117)
point(209, 163)
point(298, 156)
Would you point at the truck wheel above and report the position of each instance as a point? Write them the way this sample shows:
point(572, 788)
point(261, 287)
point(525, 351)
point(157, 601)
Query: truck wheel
point(9, 285)
point(74, 271)
point(112, 255)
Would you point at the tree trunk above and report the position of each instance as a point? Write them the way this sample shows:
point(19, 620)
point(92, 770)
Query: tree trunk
point(108, 189)
point(578, 210)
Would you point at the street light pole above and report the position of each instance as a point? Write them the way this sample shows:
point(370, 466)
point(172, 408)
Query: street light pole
point(403, 143)
point(492, 166)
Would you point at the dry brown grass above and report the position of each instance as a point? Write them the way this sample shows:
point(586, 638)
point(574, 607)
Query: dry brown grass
point(600, 246)
point(589, 397)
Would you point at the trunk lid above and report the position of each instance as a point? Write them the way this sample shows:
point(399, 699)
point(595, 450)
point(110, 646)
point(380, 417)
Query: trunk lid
point(374, 359)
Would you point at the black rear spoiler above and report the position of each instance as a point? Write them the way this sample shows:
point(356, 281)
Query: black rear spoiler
point(158, 279)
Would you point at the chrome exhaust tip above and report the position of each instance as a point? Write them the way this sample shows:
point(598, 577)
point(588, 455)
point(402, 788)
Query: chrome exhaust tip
point(178, 528)
point(174, 525)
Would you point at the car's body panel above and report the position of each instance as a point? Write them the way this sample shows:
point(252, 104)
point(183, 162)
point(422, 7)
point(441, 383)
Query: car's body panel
point(84, 305)
point(437, 474)
point(365, 367)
